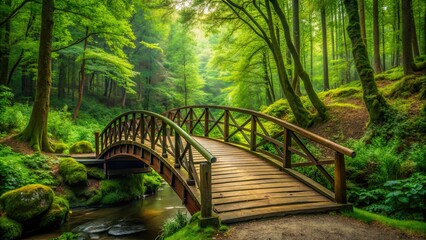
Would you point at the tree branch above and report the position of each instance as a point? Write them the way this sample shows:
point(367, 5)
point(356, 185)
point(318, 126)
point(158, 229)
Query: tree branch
point(13, 13)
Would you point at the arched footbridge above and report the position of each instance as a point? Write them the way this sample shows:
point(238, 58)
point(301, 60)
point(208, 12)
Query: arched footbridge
point(231, 162)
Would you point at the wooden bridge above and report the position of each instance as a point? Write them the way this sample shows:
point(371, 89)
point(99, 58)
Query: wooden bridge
point(235, 163)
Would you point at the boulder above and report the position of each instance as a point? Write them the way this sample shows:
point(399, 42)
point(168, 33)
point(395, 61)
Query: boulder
point(57, 214)
point(73, 172)
point(81, 147)
point(27, 202)
point(9, 229)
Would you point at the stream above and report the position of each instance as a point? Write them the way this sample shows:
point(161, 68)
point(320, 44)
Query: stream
point(146, 216)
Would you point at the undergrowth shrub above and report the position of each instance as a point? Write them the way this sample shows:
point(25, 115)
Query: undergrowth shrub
point(152, 181)
point(81, 147)
point(123, 189)
point(174, 224)
point(73, 172)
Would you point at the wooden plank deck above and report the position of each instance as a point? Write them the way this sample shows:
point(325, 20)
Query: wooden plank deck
point(246, 187)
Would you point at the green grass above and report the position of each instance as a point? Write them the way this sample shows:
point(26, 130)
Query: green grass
point(416, 227)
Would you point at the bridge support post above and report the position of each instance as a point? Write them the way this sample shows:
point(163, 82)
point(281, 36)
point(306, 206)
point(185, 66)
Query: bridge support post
point(97, 144)
point(207, 216)
point(226, 126)
point(339, 178)
point(287, 144)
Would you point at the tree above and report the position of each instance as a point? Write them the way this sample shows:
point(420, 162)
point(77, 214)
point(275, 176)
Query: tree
point(36, 130)
point(324, 48)
point(376, 39)
point(376, 105)
point(296, 38)
point(362, 21)
point(407, 49)
point(5, 49)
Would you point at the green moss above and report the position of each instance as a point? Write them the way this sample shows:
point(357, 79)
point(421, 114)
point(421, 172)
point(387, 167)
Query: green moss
point(345, 105)
point(114, 198)
point(59, 147)
point(81, 147)
point(192, 230)
point(391, 74)
point(57, 214)
point(67, 236)
point(152, 181)
point(278, 109)
point(95, 199)
point(407, 87)
point(74, 173)
point(9, 229)
point(116, 191)
point(95, 173)
point(409, 226)
point(27, 202)
point(342, 92)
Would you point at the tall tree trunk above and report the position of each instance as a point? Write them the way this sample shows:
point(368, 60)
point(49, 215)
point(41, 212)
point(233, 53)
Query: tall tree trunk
point(347, 64)
point(362, 21)
point(407, 49)
point(123, 98)
point(268, 85)
point(5, 50)
point(383, 39)
point(398, 34)
point(313, 97)
point(376, 105)
point(376, 39)
point(311, 45)
point(82, 78)
point(416, 50)
point(324, 49)
point(296, 38)
point(36, 130)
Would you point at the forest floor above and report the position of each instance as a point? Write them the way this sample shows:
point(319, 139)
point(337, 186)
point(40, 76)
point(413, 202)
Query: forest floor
point(312, 226)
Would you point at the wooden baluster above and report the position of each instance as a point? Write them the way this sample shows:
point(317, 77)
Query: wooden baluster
point(152, 133)
point(191, 121)
point(97, 144)
point(287, 144)
point(177, 150)
point(190, 181)
point(142, 130)
point(226, 126)
point(253, 133)
point(134, 130)
point(115, 131)
point(339, 178)
point(206, 122)
point(126, 120)
point(164, 140)
point(206, 190)
point(120, 129)
point(178, 116)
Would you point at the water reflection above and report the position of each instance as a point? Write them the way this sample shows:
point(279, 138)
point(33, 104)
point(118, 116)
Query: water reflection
point(151, 212)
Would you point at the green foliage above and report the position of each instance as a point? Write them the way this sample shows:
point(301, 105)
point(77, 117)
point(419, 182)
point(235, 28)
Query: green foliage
point(81, 147)
point(409, 226)
point(17, 170)
point(27, 202)
point(174, 224)
point(152, 181)
point(67, 236)
point(417, 154)
point(402, 199)
point(391, 74)
point(278, 109)
point(59, 147)
point(407, 87)
point(9, 229)
point(95, 173)
point(57, 214)
point(95, 199)
point(10, 119)
point(74, 173)
point(341, 92)
point(124, 189)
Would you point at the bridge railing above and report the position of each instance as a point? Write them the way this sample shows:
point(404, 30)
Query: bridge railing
point(269, 136)
point(161, 134)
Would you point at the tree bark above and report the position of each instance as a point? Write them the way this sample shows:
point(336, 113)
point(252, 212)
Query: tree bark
point(36, 130)
point(376, 105)
point(5, 51)
point(324, 49)
point(362, 21)
point(300, 71)
point(376, 38)
point(407, 50)
point(416, 50)
point(82, 78)
point(296, 38)
point(62, 78)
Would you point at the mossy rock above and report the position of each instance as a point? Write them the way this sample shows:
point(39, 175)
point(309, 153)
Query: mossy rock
point(73, 172)
point(9, 229)
point(57, 214)
point(60, 147)
point(27, 202)
point(81, 147)
point(95, 173)
point(95, 199)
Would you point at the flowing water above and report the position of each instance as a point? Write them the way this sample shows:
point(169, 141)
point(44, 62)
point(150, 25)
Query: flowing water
point(149, 213)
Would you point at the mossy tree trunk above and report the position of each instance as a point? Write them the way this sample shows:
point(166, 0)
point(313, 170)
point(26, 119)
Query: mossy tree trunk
point(376, 40)
point(296, 38)
point(36, 130)
point(376, 105)
point(324, 49)
point(299, 70)
point(82, 78)
point(5, 49)
point(407, 49)
point(362, 21)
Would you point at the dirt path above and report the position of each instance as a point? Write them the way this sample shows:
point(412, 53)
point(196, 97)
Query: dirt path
point(314, 226)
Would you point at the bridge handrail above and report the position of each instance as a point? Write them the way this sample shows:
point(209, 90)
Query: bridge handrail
point(312, 136)
point(188, 138)
point(255, 130)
